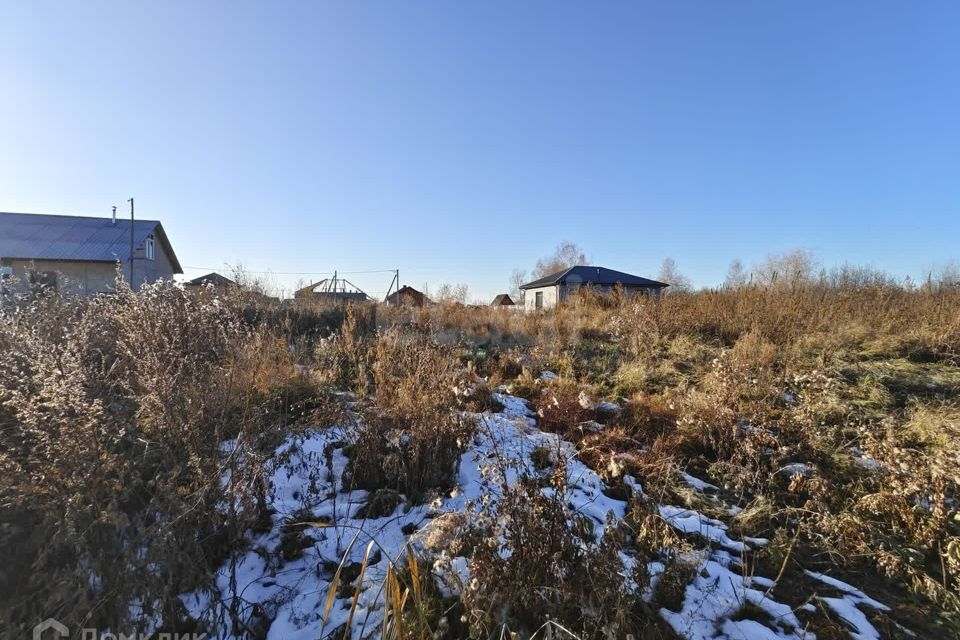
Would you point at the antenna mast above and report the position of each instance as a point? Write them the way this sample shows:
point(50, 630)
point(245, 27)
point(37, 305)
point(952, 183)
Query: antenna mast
point(131, 242)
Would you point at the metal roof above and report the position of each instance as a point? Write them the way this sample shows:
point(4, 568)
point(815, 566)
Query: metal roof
point(214, 279)
point(33, 236)
point(582, 274)
point(408, 295)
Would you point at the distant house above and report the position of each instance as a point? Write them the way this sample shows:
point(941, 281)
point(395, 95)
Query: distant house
point(408, 297)
point(557, 287)
point(332, 290)
point(503, 300)
point(211, 279)
point(222, 284)
point(79, 255)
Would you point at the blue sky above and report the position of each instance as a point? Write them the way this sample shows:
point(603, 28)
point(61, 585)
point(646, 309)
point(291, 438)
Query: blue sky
point(457, 141)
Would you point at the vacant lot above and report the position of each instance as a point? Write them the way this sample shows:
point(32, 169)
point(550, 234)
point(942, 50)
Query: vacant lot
point(760, 462)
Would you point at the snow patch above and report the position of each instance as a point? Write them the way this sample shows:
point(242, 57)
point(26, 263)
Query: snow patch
point(716, 595)
point(307, 479)
point(698, 484)
point(846, 607)
point(690, 521)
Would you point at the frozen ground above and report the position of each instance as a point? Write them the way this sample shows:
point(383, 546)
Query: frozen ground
point(289, 596)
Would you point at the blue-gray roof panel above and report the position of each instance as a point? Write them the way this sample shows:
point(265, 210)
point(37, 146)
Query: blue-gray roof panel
point(30, 236)
point(582, 274)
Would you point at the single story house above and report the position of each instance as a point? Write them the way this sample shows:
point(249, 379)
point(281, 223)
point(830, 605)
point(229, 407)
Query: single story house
point(503, 300)
point(213, 279)
point(550, 290)
point(79, 255)
point(408, 297)
point(222, 284)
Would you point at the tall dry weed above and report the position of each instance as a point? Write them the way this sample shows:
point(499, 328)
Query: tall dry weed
point(113, 415)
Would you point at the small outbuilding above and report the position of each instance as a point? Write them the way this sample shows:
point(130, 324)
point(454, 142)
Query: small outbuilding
point(503, 300)
point(550, 290)
point(407, 296)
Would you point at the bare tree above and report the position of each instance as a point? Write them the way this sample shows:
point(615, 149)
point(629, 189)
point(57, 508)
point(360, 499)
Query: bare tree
point(517, 278)
point(789, 268)
point(946, 275)
point(856, 276)
point(263, 283)
point(566, 255)
point(450, 293)
point(669, 274)
point(736, 276)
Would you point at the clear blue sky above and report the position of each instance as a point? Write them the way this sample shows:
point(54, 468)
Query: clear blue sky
point(459, 140)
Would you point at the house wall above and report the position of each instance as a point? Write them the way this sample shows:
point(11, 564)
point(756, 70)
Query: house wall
point(76, 277)
point(566, 290)
point(559, 293)
point(146, 271)
point(550, 297)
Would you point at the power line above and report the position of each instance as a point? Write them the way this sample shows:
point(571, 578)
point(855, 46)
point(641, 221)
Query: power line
point(293, 273)
point(278, 273)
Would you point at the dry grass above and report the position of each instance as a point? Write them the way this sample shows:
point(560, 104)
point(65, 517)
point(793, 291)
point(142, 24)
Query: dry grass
point(530, 566)
point(411, 434)
point(113, 414)
point(745, 382)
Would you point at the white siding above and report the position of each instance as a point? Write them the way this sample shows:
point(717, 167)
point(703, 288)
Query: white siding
point(550, 297)
point(554, 294)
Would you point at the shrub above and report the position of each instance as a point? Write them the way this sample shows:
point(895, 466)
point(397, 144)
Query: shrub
point(346, 358)
point(559, 408)
point(113, 412)
point(411, 438)
point(531, 566)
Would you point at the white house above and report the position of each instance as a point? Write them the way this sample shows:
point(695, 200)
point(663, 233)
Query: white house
point(557, 287)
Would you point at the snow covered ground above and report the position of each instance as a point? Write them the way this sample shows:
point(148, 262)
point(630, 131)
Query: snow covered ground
point(289, 596)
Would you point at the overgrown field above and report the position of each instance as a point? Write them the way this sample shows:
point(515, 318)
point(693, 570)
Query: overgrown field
point(759, 462)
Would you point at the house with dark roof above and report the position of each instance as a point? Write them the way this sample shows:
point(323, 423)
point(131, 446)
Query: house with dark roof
point(503, 300)
point(218, 283)
point(212, 279)
point(407, 296)
point(553, 289)
point(80, 255)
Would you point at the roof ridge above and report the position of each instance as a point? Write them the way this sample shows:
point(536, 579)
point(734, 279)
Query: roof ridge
point(67, 215)
point(566, 271)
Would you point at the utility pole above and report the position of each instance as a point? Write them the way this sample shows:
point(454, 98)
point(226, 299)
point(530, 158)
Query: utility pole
point(131, 242)
point(396, 280)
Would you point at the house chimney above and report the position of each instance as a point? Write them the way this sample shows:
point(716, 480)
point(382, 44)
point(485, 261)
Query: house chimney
point(114, 215)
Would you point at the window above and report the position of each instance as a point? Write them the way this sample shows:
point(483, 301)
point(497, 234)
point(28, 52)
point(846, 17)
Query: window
point(43, 281)
point(538, 301)
point(149, 248)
